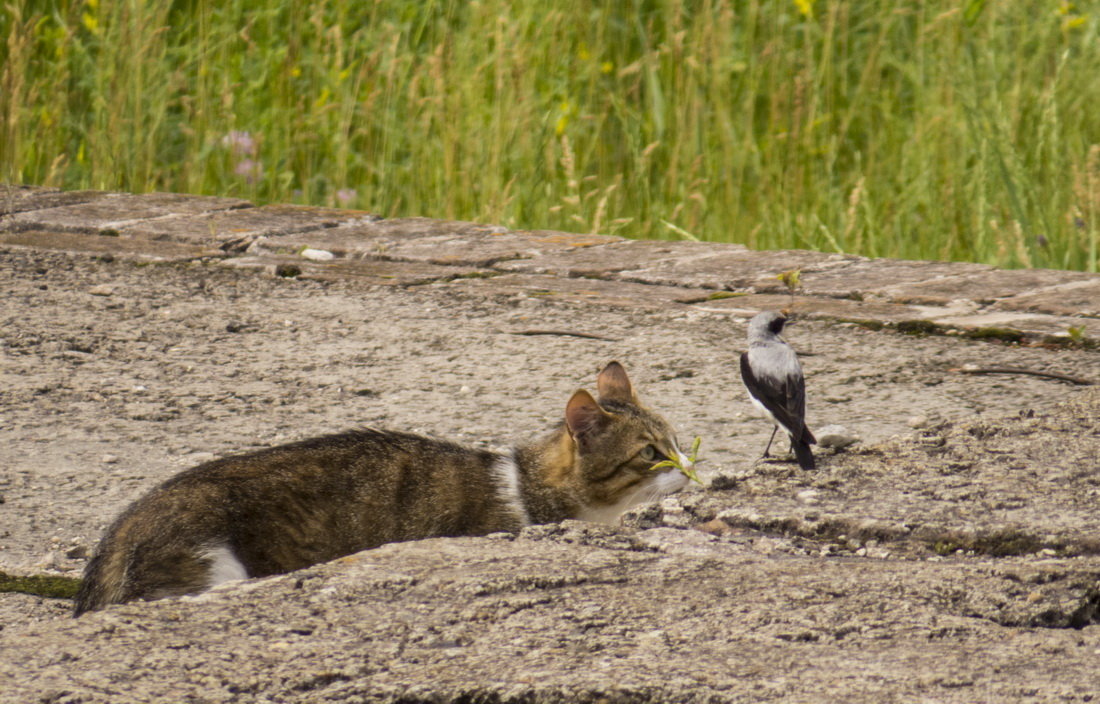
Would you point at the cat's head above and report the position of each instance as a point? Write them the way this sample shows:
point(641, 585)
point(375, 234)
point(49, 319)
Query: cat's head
point(617, 442)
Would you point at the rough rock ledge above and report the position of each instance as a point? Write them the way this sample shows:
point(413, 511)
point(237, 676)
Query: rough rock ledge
point(954, 558)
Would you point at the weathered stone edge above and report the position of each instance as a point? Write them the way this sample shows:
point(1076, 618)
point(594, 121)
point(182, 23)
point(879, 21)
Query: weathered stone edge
point(1025, 306)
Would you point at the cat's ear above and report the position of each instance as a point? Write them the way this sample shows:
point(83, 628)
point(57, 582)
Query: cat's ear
point(583, 416)
point(614, 385)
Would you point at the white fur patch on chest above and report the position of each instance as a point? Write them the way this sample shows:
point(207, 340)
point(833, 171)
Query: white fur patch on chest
point(506, 472)
point(666, 482)
point(224, 566)
point(610, 513)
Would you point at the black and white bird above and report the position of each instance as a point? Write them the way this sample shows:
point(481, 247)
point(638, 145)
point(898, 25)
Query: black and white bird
point(776, 386)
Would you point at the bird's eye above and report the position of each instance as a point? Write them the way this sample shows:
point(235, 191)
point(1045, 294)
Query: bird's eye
point(649, 454)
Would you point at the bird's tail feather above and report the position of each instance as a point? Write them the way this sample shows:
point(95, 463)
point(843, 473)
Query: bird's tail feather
point(804, 454)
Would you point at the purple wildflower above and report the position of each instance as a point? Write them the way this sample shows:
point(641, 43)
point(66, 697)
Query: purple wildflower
point(252, 171)
point(240, 142)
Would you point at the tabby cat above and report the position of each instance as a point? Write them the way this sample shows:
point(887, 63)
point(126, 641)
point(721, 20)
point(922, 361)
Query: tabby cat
point(296, 505)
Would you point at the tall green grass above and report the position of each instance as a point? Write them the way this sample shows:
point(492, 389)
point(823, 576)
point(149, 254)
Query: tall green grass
point(921, 129)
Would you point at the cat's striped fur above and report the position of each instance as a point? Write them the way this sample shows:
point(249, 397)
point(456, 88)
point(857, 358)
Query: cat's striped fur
point(291, 506)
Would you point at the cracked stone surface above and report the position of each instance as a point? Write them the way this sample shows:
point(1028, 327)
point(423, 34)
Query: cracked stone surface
point(1037, 305)
point(953, 555)
point(115, 211)
point(18, 199)
point(581, 613)
point(431, 241)
point(238, 228)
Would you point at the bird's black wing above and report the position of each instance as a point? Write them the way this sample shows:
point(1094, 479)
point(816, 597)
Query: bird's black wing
point(779, 396)
point(796, 404)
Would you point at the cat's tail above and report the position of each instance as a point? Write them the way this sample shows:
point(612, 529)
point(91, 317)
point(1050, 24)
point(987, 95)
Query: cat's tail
point(104, 580)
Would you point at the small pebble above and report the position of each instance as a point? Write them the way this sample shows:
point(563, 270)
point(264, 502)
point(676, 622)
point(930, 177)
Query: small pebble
point(109, 459)
point(807, 496)
point(50, 561)
point(917, 421)
point(317, 255)
point(102, 290)
point(714, 527)
point(723, 481)
point(835, 436)
point(77, 552)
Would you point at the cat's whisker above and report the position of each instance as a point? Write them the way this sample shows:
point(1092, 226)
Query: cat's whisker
point(652, 492)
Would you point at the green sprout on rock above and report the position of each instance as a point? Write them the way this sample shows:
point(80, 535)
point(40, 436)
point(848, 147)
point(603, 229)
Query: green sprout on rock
point(792, 279)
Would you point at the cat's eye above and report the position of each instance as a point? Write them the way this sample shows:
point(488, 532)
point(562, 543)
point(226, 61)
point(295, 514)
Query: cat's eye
point(651, 454)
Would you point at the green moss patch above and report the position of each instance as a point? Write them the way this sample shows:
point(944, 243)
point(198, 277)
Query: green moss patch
point(998, 544)
point(1003, 334)
point(873, 325)
point(918, 327)
point(719, 295)
point(40, 585)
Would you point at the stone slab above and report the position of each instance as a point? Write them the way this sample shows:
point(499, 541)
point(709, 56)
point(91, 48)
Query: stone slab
point(604, 261)
point(843, 287)
point(842, 584)
point(1031, 324)
point(438, 241)
point(572, 290)
point(1079, 297)
point(487, 247)
point(983, 287)
point(862, 278)
point(375, 272)
point(727, 268)
point(690, 264)
point(959, 315)
point(19, 199)
point(122, 247)
point(972, 486)
point(801, 306)
point(587, 614)
point(238, 228)
point(115, 211)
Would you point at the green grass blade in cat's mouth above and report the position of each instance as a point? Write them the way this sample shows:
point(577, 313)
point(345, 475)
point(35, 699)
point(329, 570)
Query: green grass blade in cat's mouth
point(685, 468)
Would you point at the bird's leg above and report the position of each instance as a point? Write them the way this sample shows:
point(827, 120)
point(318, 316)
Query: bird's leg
point(766, 455)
